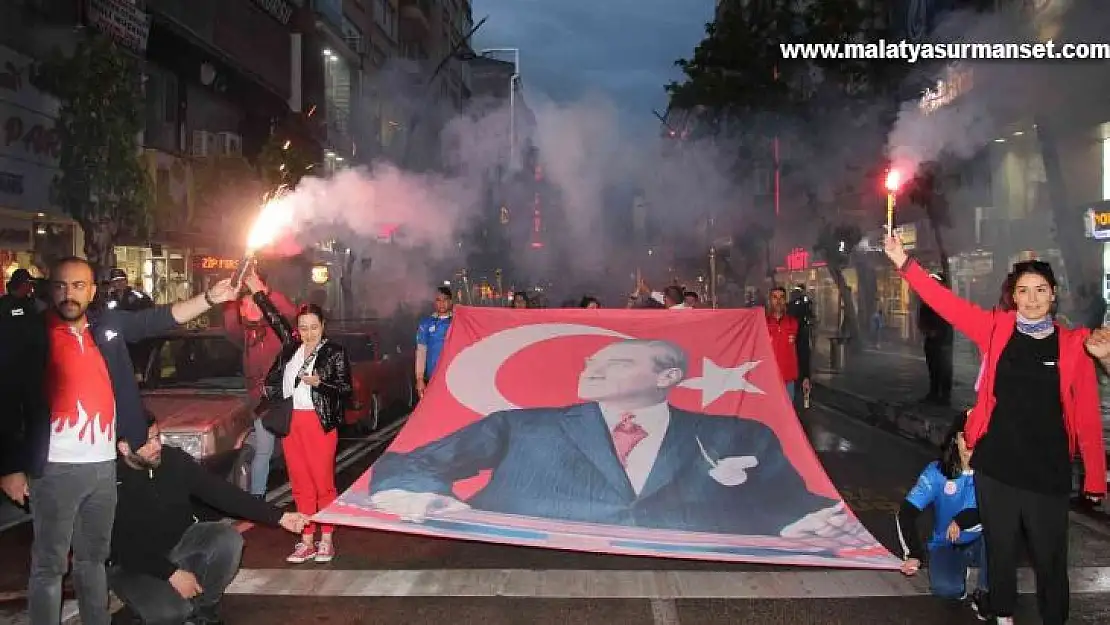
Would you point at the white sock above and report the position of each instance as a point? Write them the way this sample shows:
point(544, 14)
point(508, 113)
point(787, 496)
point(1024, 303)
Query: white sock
point(1005, 620)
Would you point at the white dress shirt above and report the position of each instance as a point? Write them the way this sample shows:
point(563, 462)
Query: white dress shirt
point(301, 393)
point(654, 420)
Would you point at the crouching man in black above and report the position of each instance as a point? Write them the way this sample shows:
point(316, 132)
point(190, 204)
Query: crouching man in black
point(165, 566)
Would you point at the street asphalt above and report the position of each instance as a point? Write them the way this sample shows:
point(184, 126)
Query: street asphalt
point(872, 469)
point(424, 580)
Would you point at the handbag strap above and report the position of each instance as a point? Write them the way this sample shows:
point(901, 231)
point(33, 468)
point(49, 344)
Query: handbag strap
point(309, 361)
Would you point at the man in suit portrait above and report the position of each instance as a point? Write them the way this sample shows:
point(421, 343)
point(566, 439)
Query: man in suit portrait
point(623, 457)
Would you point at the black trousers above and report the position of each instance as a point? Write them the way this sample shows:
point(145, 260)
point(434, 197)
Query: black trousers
point(211, 552)
point(1005, 511)
point(938, 358)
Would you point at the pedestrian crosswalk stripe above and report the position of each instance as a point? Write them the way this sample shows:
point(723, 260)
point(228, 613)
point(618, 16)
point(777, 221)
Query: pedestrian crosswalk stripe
point(574, 584)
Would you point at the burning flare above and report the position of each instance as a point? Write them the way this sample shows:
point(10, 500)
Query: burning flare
point(275, 216)
point(893, 180)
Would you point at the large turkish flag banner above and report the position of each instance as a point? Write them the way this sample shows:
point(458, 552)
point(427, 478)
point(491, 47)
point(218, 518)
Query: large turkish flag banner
point(664, 433)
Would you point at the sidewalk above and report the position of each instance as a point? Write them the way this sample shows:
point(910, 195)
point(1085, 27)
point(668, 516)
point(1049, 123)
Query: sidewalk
point(885, 386)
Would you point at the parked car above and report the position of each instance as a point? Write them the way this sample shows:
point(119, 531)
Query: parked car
point(382, 375)
point(192, 382)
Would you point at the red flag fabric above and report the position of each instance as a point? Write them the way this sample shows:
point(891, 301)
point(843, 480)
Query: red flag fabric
point(665, 433)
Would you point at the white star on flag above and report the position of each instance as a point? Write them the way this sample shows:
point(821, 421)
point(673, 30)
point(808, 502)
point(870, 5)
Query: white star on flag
point(716, 381)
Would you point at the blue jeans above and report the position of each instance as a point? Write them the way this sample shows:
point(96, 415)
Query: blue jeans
point(791, 391)
point(210, 551)
point(948, 565)
point(260, 464)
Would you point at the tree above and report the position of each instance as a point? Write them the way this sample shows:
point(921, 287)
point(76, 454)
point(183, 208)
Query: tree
point(102, 184)
point(926, 191)
point(835, 244)
point(745, 91)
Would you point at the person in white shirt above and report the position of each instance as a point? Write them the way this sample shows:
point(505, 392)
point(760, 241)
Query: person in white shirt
point(309, 384)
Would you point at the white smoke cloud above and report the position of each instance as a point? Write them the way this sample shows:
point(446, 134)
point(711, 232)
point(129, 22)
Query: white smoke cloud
point(993, 93)
point(593, 170)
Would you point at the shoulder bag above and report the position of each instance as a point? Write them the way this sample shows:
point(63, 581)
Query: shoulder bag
point(277, 414)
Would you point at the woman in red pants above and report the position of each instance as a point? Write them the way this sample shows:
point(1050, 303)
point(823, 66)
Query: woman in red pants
point(316, 374)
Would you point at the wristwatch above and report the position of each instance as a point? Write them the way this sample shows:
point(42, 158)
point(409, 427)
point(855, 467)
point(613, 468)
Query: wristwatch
point(208, 298)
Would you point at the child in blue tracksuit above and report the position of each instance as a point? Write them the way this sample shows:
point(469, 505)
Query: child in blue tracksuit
point(956, 543)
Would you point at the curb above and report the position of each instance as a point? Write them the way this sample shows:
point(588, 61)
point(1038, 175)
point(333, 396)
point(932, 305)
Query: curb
point(908, 421)
point(905, 419)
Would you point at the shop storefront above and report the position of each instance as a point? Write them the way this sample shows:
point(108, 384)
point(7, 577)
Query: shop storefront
point(16, 246)
point(892, 296)
point(159, 271)
point(1096, 226)
point(799, 268)
point(34, 241)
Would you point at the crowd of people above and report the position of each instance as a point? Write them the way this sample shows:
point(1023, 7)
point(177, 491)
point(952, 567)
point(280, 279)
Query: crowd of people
point(87, 459)
point(790, 322)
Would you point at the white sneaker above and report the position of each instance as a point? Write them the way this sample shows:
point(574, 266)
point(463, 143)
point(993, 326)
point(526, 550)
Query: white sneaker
point(325, 551)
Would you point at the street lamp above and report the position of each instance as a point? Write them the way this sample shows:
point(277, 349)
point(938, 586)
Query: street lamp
point(513, 80)
point(893, 182)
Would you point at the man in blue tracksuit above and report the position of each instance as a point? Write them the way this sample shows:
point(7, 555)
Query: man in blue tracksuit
point(430, 335)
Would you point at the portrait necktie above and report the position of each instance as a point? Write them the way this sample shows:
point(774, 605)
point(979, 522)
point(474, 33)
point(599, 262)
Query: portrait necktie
point(626, 435)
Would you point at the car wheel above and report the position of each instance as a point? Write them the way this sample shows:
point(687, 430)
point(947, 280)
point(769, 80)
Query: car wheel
point(241, 470)
point(373, 414)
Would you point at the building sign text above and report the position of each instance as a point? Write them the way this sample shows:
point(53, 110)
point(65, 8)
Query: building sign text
point(797, 259)
point(215, 263)
point(1097, 224)
point(38, 139)
point(29, 140)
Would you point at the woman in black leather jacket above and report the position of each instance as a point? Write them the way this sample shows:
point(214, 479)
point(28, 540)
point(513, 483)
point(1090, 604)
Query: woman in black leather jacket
point(316, 374)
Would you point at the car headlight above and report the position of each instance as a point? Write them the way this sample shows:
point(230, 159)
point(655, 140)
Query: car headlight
point(191, 443)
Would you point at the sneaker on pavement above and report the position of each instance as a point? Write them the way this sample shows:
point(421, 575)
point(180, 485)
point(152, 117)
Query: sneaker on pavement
point(325, 551)
point(303, 552)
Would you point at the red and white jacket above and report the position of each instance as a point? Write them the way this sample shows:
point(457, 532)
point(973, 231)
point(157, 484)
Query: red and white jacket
point(990, 330)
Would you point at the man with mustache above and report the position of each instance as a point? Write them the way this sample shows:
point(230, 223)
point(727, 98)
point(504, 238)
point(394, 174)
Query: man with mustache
point(66, 463)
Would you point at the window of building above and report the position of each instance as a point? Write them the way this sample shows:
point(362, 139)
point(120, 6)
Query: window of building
point(337, 91)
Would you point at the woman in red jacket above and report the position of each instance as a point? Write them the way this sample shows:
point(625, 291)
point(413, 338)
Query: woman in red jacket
point(1037, 406)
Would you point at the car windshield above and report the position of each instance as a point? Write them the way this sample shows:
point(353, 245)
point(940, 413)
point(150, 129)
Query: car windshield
point(198, 362)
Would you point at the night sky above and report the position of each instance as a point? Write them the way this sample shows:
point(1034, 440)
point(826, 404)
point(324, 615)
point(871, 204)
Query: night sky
point(621, 49)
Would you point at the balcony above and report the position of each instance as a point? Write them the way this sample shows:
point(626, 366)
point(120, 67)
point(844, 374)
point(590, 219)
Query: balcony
point(418, 12)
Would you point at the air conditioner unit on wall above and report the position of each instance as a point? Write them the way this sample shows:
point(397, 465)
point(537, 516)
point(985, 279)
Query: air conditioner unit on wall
point(203, 144)
point(230, 144)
